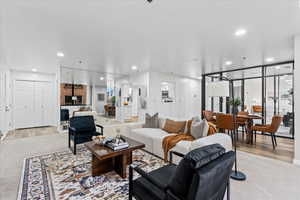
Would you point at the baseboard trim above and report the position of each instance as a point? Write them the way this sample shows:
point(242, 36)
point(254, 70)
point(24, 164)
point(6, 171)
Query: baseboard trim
point(297, 162)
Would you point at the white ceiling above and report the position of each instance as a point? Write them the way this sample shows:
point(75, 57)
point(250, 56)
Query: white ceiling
point(184, 37)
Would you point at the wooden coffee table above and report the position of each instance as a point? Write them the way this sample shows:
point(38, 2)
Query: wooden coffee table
point(105, 159)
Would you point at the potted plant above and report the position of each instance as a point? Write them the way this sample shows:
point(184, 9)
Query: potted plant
point(113, 100)
point(235, 103)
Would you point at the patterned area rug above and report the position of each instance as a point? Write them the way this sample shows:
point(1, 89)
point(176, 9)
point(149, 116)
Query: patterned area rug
point(62, 175)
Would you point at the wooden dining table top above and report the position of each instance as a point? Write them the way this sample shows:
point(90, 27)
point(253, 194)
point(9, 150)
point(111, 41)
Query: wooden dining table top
point(248, 117)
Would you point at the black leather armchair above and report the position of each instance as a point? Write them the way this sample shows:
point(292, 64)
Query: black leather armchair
point(82, 129)
point(202, 174)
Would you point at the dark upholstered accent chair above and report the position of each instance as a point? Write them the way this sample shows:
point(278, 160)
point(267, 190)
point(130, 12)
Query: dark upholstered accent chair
point(202, 174)
point(82, 129)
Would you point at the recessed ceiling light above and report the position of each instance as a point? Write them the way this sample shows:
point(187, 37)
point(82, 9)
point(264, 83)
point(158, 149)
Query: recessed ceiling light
point(270, 59)
point(134, 67)
point(240, 32)
point(34, 70)
point(228, 62)
point(60, 54)
point(101, 78)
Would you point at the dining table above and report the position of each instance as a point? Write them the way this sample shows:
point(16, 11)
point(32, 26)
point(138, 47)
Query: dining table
point(249, 122)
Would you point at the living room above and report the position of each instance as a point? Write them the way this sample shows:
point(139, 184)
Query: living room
point(166, 80)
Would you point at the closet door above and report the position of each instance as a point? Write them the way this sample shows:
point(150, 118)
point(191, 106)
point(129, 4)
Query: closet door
point(44, 103)
point(48, 103)
point(24, 101)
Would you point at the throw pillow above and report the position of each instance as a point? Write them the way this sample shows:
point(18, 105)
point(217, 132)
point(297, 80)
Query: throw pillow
point(172, 126)
point(199, 128)
point(151, 121)
point(205, 128)
point(212, 129)
point(161, 122)
point(187, 129)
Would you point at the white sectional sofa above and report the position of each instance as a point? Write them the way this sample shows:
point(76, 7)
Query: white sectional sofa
point(153, 137)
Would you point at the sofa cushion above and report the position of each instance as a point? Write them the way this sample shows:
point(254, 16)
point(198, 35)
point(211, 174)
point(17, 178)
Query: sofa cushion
point(172, 126)
point(151, 121)
point(146, 135)
point(219, 138)
point(157, 143)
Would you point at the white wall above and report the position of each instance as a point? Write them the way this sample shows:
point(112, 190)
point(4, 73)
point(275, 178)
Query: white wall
point(5, 98)
point(2, 104)
point(38, 51)
point(187, 101)
point(297, 99)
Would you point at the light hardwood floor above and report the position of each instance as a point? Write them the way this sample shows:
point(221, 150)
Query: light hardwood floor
point(263, 147)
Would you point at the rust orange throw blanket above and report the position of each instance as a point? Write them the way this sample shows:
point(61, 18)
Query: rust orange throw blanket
point(170, 141)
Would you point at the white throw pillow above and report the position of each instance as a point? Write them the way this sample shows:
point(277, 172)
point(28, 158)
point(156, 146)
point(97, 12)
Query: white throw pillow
point(199, 128)
point(161, 122)
point(205, 128)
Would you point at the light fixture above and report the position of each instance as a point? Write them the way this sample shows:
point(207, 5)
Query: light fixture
point(74, 98)
point(34, 70)
point(134, 67)
point(101, 78)
point(240, 32)
point(228, 62)
point(60, 54)
point(270, 59)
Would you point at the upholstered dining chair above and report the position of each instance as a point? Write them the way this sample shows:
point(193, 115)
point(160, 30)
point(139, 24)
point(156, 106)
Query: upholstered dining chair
point(225, 122)
point(242, 122)
point(209, 116)
point(257, 109)
point(269, 128)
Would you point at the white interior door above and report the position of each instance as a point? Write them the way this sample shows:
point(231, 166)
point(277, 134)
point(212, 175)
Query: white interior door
point(24, 111)
point(46, 95)
point(34, 104)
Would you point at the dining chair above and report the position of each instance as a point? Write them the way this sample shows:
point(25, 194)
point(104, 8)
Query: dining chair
point(242, 122)
point(257, 109)
point(106, 110)
point(269, 128)
point(225, 122)
point(209, 116)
